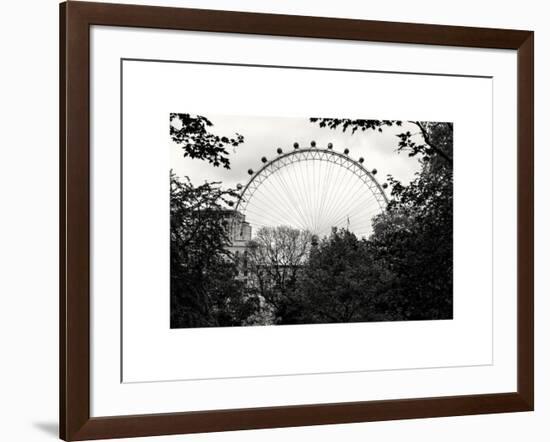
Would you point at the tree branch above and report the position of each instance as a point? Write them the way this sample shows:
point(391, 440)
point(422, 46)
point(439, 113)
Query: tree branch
point(433, 146)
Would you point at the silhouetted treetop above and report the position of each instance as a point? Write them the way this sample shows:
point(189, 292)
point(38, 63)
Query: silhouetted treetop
point(436, 139)
point(190, 131)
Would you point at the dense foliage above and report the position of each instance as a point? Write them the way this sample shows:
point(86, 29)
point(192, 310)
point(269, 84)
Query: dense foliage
point(341, 281)
point(205, 290)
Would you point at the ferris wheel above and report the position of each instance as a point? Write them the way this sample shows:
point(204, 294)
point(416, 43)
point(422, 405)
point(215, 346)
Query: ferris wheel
point(313, 189)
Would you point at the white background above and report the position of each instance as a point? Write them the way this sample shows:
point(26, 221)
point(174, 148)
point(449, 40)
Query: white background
point(28, 242)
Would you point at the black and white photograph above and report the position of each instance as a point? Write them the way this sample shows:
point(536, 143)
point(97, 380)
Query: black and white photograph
point(289, 220)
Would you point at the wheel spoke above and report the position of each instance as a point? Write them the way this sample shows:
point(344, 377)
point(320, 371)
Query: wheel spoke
point(313, 189)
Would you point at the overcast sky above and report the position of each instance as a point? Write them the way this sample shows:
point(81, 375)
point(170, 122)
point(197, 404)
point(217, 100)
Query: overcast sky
point(262, 137)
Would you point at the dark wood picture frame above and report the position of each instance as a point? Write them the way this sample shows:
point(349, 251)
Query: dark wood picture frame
point(75, 21)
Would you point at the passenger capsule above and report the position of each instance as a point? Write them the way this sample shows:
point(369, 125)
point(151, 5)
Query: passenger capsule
point(385, 185)
point(329, 145)
point(264, 160)
point(296, 146)
point(374, 171)
point(250, 171)
point(346, 151)
point(361, 160)
point(279, 151)
point(313, 144)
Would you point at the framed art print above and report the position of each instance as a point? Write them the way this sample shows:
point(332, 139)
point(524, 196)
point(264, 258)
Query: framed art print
point(273, 221)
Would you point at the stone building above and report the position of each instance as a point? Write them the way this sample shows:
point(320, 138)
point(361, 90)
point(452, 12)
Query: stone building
point(240, 232)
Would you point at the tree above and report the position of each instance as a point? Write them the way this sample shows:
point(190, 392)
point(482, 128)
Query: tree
point(432, 138)
point(341, 281)
point(413, 238)
point(275, 257)
point(191, 133)
point(205, 290)
point(204, 286)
